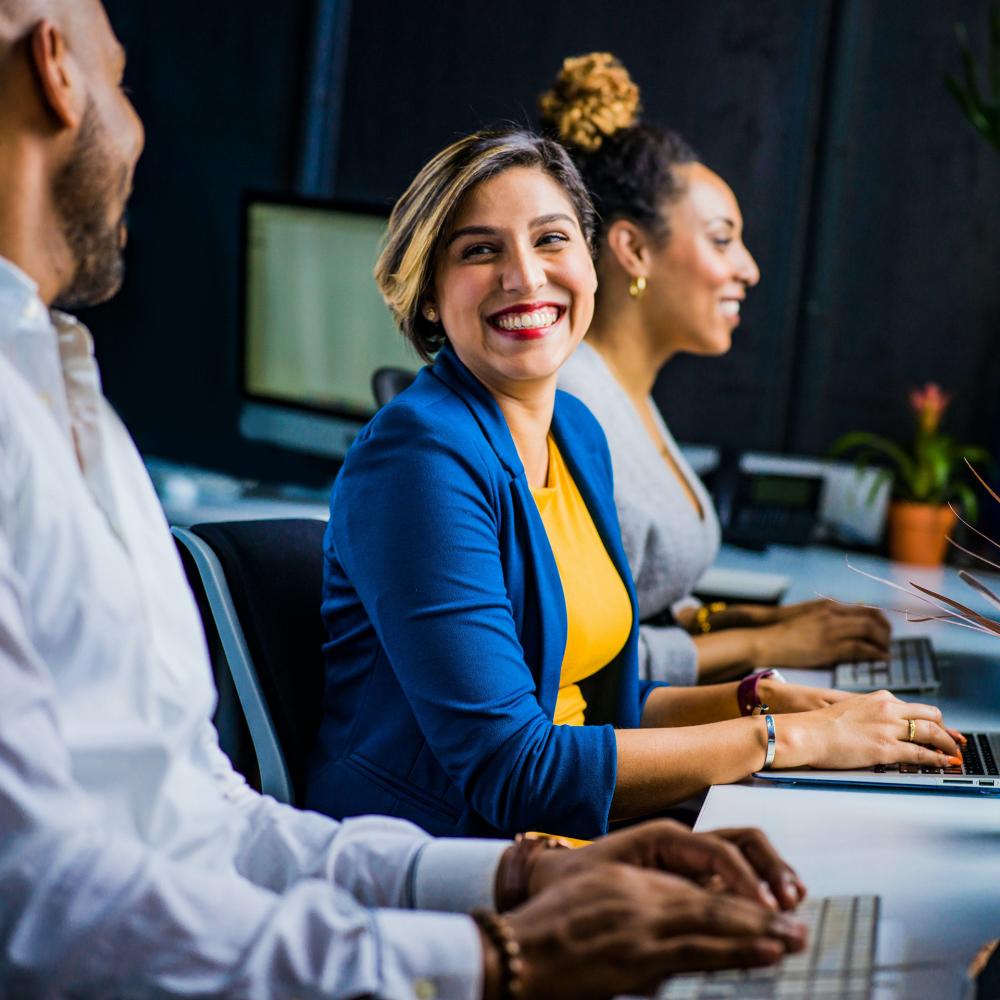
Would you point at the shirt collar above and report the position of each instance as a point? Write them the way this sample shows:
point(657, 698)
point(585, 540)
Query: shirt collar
point(19, 298)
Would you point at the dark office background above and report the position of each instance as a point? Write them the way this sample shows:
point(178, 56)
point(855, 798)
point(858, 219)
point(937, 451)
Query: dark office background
point(870, 203)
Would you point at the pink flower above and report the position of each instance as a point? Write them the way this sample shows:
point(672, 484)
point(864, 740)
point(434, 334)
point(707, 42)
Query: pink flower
point(929, 405)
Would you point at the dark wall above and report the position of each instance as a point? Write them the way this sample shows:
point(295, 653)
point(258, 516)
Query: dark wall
point(218, 84)
point(904, 283)
point(869, 202)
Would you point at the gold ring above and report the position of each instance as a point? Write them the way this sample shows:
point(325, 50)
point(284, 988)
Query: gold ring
point(911, 735)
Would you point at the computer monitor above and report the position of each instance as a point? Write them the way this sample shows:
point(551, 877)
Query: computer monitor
point(314, 325)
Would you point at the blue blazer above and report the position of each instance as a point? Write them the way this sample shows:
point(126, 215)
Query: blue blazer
point(447, 625)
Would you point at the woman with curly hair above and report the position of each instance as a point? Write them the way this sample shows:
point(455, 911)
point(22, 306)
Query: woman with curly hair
point(674, 272)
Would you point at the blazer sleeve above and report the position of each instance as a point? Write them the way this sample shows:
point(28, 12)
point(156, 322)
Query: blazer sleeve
point(415, 528)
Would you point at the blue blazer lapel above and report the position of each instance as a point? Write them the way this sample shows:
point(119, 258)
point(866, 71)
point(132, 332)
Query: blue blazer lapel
point(545, 642)
point(450, 370)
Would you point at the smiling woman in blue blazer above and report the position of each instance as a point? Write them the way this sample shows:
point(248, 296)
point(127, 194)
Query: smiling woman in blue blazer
point(476, 594)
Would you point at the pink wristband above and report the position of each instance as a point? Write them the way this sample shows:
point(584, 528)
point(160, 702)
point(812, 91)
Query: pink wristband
point(746, 693)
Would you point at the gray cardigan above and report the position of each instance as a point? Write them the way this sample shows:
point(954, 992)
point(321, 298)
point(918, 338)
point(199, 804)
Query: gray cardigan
point(668, 545)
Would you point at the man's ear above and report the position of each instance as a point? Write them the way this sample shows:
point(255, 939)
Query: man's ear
point(58, 74)
point(630, 246)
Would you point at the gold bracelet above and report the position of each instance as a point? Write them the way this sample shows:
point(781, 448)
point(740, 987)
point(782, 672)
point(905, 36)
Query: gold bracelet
point(515, 869)
point(703, 614)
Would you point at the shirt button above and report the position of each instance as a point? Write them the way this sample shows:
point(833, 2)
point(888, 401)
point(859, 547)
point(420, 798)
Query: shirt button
point(424, 989)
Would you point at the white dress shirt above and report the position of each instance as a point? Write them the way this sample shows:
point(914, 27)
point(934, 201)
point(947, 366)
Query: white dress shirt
point(134, 861)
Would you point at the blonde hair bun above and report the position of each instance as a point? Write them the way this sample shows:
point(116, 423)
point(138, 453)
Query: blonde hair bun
point(592, 98)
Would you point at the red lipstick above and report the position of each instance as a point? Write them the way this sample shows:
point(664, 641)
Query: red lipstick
point(527, 320)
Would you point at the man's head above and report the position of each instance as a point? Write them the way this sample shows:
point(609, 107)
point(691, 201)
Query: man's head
point(69, 142)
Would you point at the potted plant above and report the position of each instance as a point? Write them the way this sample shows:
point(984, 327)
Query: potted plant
point(927, 477)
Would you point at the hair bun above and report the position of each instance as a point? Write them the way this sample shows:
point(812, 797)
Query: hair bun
point(592, 98)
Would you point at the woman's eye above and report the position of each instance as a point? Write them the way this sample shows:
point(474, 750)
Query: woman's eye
point(550, 239)
point(722, 242)
point(477, 250)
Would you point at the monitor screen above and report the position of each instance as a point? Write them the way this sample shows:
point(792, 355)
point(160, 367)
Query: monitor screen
point(315, 325)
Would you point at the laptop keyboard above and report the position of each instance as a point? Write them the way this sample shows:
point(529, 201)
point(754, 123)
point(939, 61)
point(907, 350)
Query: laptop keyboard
point(911, 667)
point(836, 965)
point(977, 759)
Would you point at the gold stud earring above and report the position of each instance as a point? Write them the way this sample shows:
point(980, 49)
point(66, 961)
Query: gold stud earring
point(430, 314)
point(637, 287)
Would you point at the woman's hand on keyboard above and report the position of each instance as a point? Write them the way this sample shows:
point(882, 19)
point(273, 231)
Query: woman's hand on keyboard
point(822, 633)
point(739, 861)
point(615, 928)
point(865, 730)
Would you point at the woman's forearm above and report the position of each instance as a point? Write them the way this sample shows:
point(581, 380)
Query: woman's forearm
point(668, 707)
point(728, 653)
point(659, 767)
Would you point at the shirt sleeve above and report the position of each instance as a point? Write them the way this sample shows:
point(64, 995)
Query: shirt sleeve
point(380, 861)
point(415, 530)
point(667, 653)
point(95, 912)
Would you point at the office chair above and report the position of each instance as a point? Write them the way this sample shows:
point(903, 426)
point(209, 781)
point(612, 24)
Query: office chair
point(262, 583)
point(388, 383)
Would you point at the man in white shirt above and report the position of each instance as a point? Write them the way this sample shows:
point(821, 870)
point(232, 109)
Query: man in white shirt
point(133, 860)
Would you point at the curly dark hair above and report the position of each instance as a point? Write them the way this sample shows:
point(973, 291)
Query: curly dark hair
point(628, 165)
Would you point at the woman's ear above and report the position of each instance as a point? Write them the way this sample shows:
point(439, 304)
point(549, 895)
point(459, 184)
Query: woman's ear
point(429, 310)
point(630, 246)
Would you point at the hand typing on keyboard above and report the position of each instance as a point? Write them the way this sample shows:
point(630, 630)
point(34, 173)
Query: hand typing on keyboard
point(704, 901)
point(616, 928)
point(865, 730)
point(822, 633)
point(740, 861)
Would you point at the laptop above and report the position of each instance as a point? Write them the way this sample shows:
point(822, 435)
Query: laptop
point(979, 772)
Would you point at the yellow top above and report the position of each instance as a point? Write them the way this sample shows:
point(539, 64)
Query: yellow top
point(598, 611)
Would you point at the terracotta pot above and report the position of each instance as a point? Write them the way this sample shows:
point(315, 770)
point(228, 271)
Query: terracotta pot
point(918, 532)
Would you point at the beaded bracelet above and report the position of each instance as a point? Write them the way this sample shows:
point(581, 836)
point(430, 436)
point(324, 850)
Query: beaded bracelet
point(704, 613)
point(515, 869)
point(500, 934)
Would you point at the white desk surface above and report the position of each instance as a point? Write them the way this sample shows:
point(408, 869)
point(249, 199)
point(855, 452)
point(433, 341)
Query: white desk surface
point(933, 858)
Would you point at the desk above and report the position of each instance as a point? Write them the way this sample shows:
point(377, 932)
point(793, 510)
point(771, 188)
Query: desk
point(934, 859)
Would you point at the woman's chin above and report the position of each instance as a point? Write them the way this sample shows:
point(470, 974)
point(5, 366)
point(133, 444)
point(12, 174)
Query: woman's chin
point(713, 346)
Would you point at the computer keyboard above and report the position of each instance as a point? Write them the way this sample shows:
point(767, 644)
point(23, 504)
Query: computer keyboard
point(837, 964)
point(977, 759)
point(911, 667)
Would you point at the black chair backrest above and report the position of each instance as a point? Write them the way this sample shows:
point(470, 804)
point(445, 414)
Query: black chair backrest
point(274, 569)
point(388, 383)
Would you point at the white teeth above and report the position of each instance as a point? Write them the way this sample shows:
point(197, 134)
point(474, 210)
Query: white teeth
point(729, 307)
point(537, 320)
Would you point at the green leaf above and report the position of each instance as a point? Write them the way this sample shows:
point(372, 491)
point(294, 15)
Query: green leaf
point(968, 501)
point(982, 114)
point(879, 445)
point(974, 453)
point(878, 480)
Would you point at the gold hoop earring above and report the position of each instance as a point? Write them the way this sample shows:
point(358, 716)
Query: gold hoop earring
point(430, 314)
point(637, 287)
